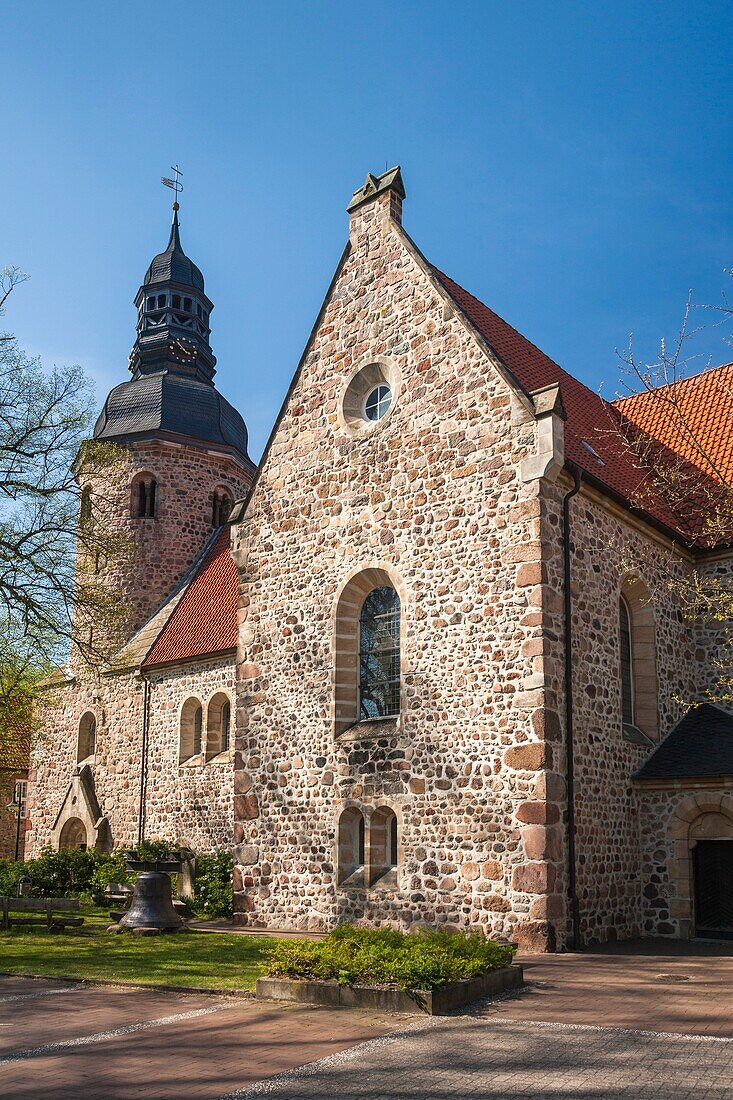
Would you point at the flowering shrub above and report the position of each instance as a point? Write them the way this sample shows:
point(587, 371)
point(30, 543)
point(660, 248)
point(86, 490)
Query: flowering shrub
point(361, 956)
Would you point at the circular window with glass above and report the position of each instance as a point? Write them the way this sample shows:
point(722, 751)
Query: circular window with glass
point(377, 402)
point(370, 396)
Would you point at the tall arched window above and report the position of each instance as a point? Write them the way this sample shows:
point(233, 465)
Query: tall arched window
point(190, 734)
point(638, 660)
point(87, 740)
point(144, 496)
point(221, 507)
point(626, 664)
point(379, 654)
point(85, 504)
point(218, 719)
point(351, 845)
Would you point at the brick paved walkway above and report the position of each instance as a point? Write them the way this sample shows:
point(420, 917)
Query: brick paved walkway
point(65, 1042)
point(644, 985)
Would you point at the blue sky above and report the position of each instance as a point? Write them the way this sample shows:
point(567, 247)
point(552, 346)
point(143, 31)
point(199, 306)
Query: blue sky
point(568, 163)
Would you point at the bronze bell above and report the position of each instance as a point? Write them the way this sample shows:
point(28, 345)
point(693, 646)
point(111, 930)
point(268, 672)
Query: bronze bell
point(152, 904)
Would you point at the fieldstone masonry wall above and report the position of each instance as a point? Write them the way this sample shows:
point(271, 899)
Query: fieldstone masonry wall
point(161, 548)
point(673, 818)
point(190, 804)
point(608, 551)
point(432, 496)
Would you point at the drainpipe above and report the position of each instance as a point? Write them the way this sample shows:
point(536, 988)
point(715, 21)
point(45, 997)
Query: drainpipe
point(569, 749)
point(143, 761)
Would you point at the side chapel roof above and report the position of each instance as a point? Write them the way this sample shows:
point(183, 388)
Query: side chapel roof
point(701, 745)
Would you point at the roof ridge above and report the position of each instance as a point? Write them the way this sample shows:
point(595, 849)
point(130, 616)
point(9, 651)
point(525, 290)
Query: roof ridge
point(526, 339)
point(670, 385)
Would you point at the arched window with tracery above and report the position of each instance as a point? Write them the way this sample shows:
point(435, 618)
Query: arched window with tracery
point(221, 507)
point(144, 496)
point(379, 654)
point(367, 649)
point(190, 732)
point(87, 738)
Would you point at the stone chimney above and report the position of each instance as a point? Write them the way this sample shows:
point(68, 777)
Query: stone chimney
point(378, 201)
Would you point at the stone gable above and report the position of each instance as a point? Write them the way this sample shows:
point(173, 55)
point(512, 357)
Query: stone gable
point(433, 496)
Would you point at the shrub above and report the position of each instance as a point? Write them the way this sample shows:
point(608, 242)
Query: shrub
point(382, 956)
point(78, 873)
point(213, 888)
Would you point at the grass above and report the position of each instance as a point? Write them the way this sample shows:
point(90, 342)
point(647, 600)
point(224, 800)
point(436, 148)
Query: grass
point(189, 959)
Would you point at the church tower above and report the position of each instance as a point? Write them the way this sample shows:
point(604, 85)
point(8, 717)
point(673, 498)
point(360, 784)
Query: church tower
point(183, 447)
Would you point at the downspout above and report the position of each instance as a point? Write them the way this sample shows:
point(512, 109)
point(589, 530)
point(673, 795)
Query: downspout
point(569, 742)
point(143, 760)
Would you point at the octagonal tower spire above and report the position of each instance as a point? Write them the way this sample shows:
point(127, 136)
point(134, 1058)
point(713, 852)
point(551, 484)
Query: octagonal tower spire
point(173, 315)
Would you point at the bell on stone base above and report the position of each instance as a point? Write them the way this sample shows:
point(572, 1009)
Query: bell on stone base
point(152, 904)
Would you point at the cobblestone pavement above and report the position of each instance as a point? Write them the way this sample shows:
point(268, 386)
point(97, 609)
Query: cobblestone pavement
point(494, 1059)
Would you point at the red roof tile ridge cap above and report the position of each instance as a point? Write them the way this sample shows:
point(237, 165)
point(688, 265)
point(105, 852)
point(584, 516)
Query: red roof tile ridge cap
point(632, 397)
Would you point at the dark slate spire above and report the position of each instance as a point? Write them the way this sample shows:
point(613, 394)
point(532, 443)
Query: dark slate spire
point(173, 316)
point(172, 391)
point(173, 265)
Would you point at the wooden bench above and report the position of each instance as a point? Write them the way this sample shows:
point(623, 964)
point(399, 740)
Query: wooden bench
point(49, 911)
point(117, 893)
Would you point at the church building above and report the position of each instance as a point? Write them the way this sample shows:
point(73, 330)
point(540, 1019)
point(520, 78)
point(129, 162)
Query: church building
point(427, 665)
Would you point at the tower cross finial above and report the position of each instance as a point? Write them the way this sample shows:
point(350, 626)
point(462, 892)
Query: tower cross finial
point(175, 184)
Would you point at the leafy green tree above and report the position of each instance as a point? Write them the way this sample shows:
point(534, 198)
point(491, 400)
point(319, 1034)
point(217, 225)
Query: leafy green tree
point(45, 600)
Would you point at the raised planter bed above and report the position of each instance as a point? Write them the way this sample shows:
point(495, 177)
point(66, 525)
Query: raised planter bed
point(436, 1002)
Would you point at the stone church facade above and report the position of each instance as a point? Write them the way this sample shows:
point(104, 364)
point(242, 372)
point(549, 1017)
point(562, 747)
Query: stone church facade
point(443, 632)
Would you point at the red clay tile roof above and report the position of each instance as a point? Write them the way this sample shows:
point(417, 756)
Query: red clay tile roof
point(205, 621)
point(15, 749)
point(692, 417)
point(591, 419)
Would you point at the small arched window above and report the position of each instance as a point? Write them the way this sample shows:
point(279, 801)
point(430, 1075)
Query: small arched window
point(383, 846)
point(190, 733)
point(379, 654)
point(218, 720)
point(351, 846)
point(144, 496)
point(626, 664)
point(221, 507)
point(85, 504)
point(87, 740)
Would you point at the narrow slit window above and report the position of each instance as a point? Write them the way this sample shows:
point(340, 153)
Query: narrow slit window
point(627, 670)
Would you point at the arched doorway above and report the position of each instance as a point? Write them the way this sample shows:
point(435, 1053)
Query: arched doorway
point(73, 835)
point(702, 831)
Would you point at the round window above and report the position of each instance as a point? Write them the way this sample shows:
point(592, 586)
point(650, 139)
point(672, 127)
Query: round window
point(377, 402)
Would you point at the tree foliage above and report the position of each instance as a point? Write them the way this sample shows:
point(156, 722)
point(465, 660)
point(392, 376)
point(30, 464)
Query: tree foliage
point(680, 466)
point(46, 601)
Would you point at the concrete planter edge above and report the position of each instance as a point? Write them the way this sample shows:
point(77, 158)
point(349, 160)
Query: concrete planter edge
point(436, 1002)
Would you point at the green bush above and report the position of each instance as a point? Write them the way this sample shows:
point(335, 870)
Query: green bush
point(361, 956)
point(85, 874)
point(213, 888)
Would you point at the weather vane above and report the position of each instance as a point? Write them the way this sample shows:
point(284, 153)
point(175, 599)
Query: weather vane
point(175, 184)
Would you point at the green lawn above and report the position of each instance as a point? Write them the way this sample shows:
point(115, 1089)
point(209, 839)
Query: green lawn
point(204, 959)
